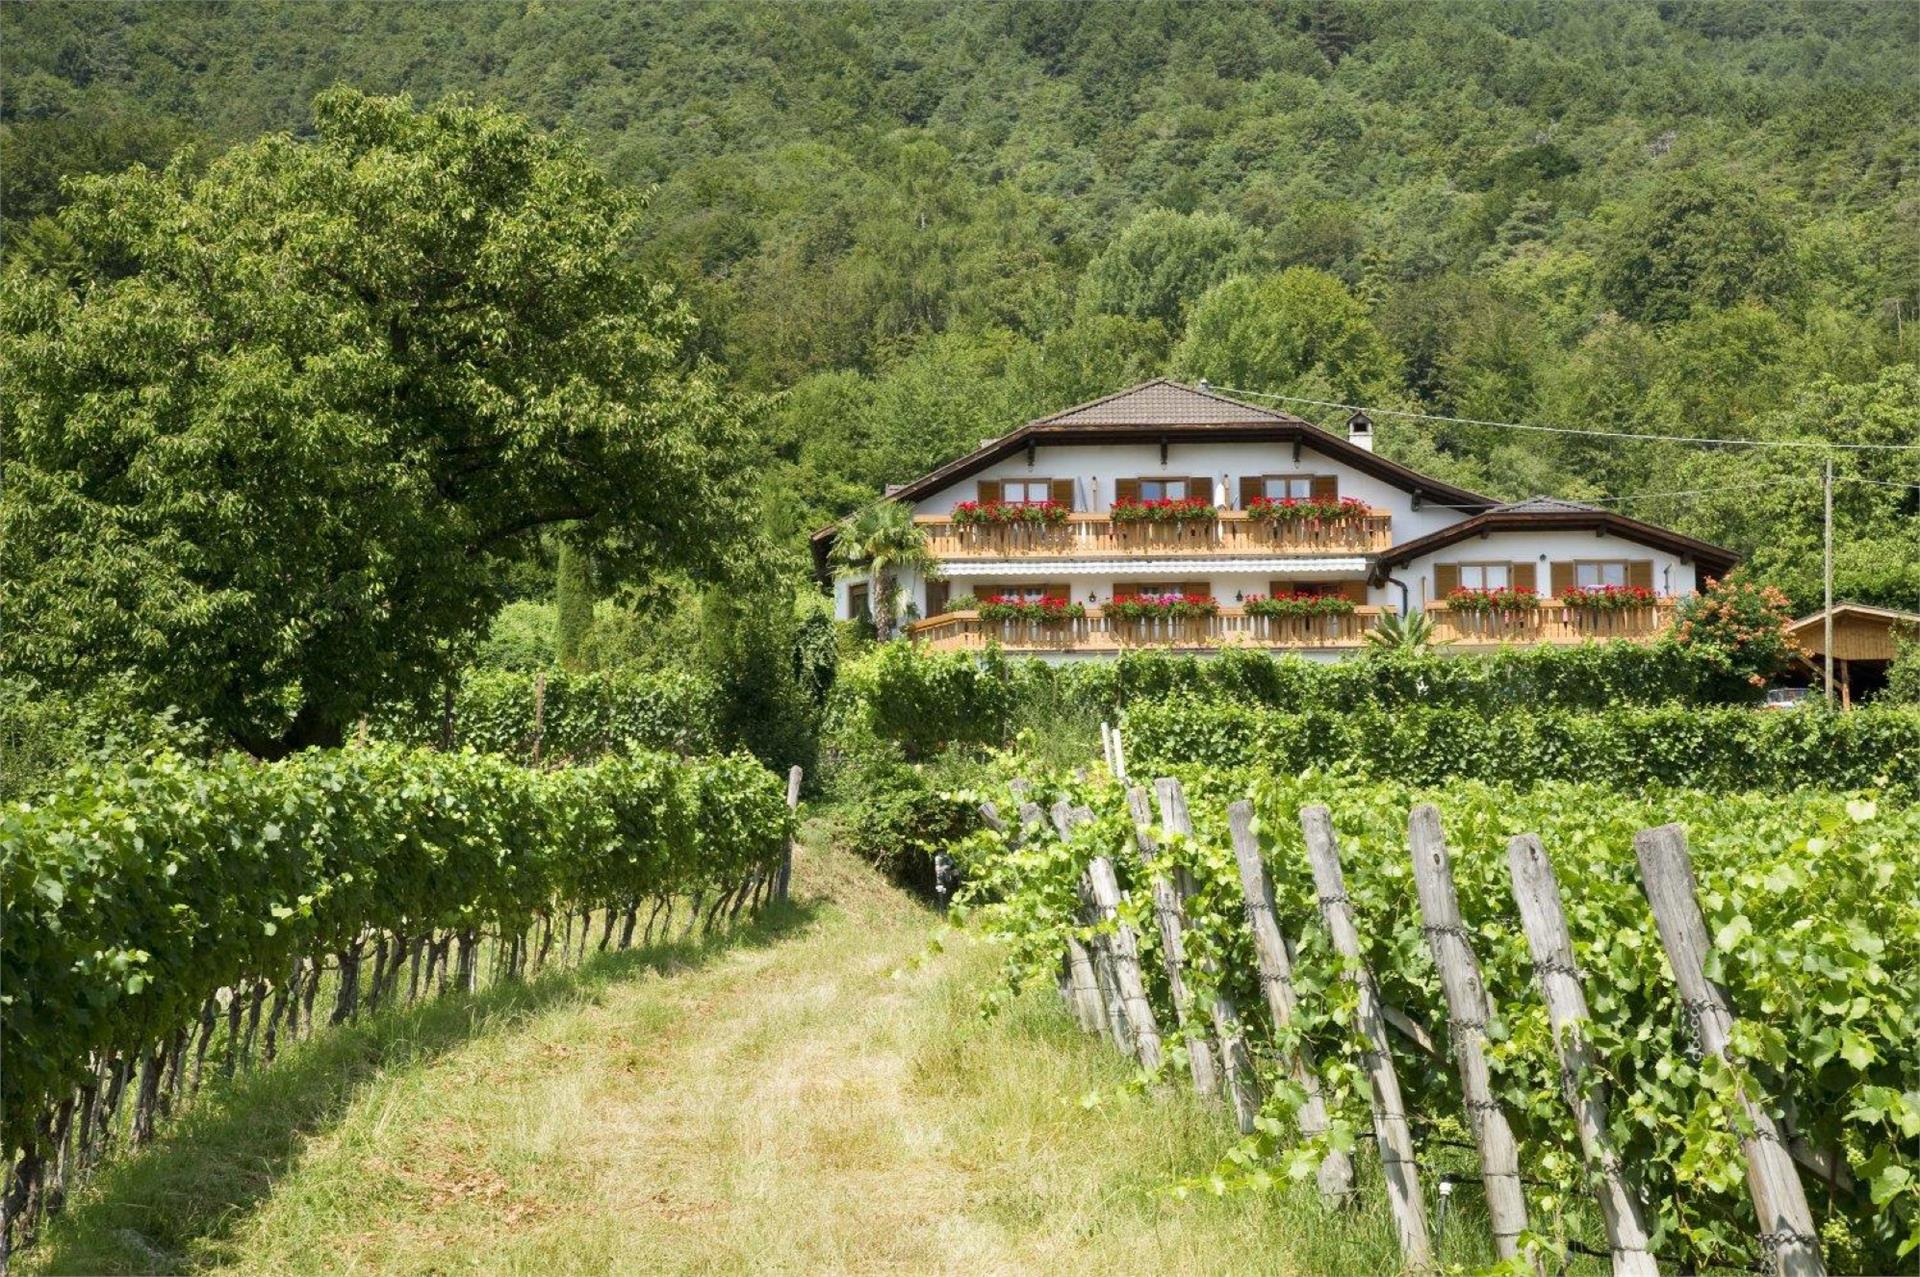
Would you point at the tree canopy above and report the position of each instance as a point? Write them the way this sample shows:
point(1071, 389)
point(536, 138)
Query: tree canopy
point(272, 427)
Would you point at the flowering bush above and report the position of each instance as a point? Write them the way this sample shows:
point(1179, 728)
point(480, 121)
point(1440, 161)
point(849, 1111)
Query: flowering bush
point(1740, 628)
point(1171, 510)
point(1140, 607)
point(1293, 510)
point(1610, 598)
point(1051, 610)
point(977, 512)
point(1504, 599)
point(1299, 605)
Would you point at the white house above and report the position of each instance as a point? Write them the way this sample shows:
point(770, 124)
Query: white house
point(1272, 532)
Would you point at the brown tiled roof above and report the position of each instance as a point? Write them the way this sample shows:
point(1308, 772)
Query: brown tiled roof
point(1546, 515)
point(1163, 402)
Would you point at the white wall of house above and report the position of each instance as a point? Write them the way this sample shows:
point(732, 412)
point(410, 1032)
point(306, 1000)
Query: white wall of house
point(1670, 575)
point(1095, 468)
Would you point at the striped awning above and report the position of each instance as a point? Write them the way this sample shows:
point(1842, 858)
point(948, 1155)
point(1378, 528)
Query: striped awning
point(1042, 568)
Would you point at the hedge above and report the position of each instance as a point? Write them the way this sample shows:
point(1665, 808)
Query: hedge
point(583, 716)
point(1721, 749)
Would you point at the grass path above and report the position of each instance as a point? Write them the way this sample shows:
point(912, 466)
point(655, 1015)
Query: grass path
point(820, 1095)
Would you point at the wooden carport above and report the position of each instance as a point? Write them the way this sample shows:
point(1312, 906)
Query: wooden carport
point(1863, 642)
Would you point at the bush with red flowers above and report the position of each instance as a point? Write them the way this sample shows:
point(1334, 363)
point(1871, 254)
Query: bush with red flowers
point(1171, 510)
point(1144, 607)
point(1504, 599)
point(1740, 628)
point(1299, 605)
point(1295, 510)
point(972, 513)
point(1052, 610)
point(1610, 598)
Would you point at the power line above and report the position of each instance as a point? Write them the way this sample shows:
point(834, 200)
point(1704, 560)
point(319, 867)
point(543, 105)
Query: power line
point(1568, 430)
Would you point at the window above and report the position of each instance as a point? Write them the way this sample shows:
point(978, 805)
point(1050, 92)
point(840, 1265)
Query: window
point(1165, 489)
point(857, 603)
point(1026, 491)
point(1598, 574)
point(1485, 576)
point(1287, 487)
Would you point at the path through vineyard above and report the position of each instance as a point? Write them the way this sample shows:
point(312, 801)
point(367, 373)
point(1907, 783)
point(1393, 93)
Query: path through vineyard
point(823, 1100)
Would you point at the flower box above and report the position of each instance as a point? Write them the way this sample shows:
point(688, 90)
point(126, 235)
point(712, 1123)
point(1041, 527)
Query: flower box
point(1294, 510)
point(1187, 510)
point(1500, 600)
point(1149, 607)
point(1610, 598)
point(1299, 605)
point(976, 513)
point(1047, 611)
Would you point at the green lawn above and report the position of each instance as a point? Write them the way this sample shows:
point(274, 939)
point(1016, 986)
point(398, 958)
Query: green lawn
point(816, 1094)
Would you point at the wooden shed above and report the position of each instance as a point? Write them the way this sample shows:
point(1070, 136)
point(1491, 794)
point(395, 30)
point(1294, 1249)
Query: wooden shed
point(1863, 645)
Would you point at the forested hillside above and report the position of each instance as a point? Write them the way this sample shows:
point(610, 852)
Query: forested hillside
point(921, 224)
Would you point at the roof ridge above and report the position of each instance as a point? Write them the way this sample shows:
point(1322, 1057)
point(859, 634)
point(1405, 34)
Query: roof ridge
point(1106, 398)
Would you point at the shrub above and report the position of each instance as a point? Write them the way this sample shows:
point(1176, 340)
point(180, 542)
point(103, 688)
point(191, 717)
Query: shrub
point(921, 700)
point(1739, 629)
point(582, 716)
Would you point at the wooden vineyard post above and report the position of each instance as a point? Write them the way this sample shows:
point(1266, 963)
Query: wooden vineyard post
point(1390, 1128)
point(1106, 747)
point(1119, 758)
point(1083, 991)
point(1172, 921)
point(1236, 1062)
point(1786, 1225)
point(1537, 894)
point(1066, 819)
point(1468, 1008)
point(785, 878)
point(1276, 981)
point(1125, 948)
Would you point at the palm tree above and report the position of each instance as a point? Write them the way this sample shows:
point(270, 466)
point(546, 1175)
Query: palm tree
point(1397, 633)
point(884, 540)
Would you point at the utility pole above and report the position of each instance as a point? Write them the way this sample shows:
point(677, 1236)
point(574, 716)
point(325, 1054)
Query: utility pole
point(1827, 639)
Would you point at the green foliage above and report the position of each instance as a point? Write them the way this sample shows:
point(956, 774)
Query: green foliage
point(1903, 674)
point(1816, 934)
point(1725, 749)
point(134, 891)
point(883, 541)
point(1696, 241)
point(521, 637)
point(1160, 263)
point(924, 701)
point(402, 344)
point(1739, 627)
point(43, 732)
point(1298, 331)
point(572, 604)
point(585, 716)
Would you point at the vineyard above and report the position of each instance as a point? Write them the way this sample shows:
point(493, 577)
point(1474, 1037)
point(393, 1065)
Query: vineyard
point(169, 919)
point(1720, 1079)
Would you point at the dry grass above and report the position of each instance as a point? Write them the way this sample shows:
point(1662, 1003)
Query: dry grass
point(830, 1103)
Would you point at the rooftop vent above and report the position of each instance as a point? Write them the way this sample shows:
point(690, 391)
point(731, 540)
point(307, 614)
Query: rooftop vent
point(1360, 431)
point(893, 488)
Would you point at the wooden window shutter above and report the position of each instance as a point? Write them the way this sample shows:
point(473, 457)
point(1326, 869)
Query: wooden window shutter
point(1276, 588)
point(1126, 489)
point(1251, 487)
point(1561, 576)
point(937, 592)
point(1057, 590)
point(1063, 492)
point(1524, 578)
point(1640, 573)
point(1446, 579)
point(1326, 487)
point(1126, 590)
point(1196, 587)
point(1354, 590)
point(989, 489)
point(1200, 488)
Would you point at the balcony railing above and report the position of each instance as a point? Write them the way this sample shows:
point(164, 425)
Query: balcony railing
point(1551, 622)
point(1094, 535)
point(1097, 632)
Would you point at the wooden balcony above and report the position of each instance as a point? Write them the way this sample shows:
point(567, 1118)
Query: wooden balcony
point(1551, 622)
point(1099, 633)
point(1096, 535)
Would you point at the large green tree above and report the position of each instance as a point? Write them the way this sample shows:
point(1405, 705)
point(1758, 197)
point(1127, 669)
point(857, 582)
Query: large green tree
point(1300, 330)
point(271, 430)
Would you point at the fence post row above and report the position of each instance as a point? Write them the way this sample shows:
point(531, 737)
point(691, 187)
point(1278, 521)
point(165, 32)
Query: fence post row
point(1172, 920)
point(1390, 1128)
point(1236, 1062)
point(1786, 1224)
point(1469, 1007)
point(1066, 819)
point(1125, 951)
point(1276, 981)
point(1537, 894)
point(1083, 989)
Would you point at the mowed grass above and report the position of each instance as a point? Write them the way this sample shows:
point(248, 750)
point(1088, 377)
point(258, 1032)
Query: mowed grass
point(818, 1093)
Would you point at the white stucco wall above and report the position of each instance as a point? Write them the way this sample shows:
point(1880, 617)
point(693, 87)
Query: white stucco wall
point(1670, 576)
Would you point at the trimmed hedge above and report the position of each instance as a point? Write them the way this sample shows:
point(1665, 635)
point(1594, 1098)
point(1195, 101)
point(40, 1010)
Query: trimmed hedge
point(1721, 748)
point(585, 716)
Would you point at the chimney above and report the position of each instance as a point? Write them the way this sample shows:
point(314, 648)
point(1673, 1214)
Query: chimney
point(1360, 430)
